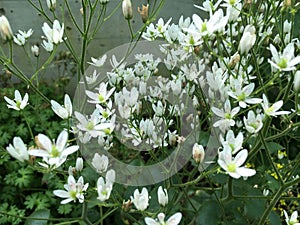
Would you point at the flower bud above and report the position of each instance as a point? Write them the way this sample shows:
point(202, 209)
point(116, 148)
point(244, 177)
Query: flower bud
point(248, 39)
point(144, 12)
point(297, 81)
point(162, 196)
point(51, 4)
point(35, 50)
point(79, 164)
point(198, 153)
point(5, 29)
point(127, 9)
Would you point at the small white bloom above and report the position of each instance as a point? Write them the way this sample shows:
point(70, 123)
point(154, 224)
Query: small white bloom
point(104, 1)
point(54, 35)
point(285, 61)
point(54, 154)
point(98, 62)
point(127, 9)
point(51, 4)
point(273, 109)
point(63, 111)
point(26, 34)
point(102, 96)
point(162, 195)
point(140, 200)
point(104, 189)
point(235, 143)
point(35, 50)
point(233, 166)
point(18, 150)
point(266, 192)
point(93, 78)
point(19, 40)
point(173, 220)
point(253, 123)
point(74, 190)
point(293, 220)
point(100, 163)
point(198, 153)
point(297, 81)
point(79, 164)
point(248, 39)
point(47, 45)
point(18, 103)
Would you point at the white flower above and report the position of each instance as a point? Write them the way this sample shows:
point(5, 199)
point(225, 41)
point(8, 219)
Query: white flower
point(127, 9)
point(54, 154)
point(173, 220)
point(51, 4)
point(297, 81)
point(79, 164)
point(98, 62)
point(18, 150)
point(63, 111)
point(93, 78)
point(74, 190)
point(293, 220)
point(198, 153)
point(47, 45)
point(35, 50)
point(248, 39)
point(104, 189)
point(100, 163)
point(285, 61)
point(233, 166)
point(272, 110)
point(102, 96)
point(235, 143)
point(253, 124)
point(162, 195)
point(19, 39)
point(54, 35)
point(104, 1)
point(26, 34)
point(140, 200)
point(18, 103)
point(226, 115)
point(5, 29)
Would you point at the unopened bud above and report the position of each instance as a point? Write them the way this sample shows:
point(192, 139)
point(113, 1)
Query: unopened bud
point(144, 12)
point(51, 4)
point(297, 81)
point(79, 164)
point(35, 50)
point(81, 11)
point(5, 29)
point(198, 153)
point(127, 9)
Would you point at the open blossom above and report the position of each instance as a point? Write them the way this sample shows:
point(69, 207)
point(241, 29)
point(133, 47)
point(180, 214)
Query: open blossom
point(18, 150)
point(47, 45)
point(273, 109)
point(63, 111)
point(226, 115)
point(21, 37)
point(140, 200)
point(232, 166)
point(98, 62)
point(285, 61)
point(74, 190)
point(54, 153)
point(173, 220)
point(293, 220)
point(162, 195)
point(248, 39)
point(18, 103)
point(102, 96)
point(235, 143)
point(54, 35)
point(5, 29)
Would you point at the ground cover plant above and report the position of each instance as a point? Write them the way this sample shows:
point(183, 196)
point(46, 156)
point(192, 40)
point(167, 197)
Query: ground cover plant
point(192, 122)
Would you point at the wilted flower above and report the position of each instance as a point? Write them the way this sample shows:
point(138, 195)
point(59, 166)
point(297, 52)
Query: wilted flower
point(140, 200)
point(35, 50)
point(74, 190)
point(64, 111)
point(18, 103)
point(248, 39)
point(162, 195)
point(233, 166)
point(198, 153)
point(144, 12)
point(127, 9)
point(54, 35)
point(173, 220)
point(5, 29)
point(18, 150)
point(54, 154)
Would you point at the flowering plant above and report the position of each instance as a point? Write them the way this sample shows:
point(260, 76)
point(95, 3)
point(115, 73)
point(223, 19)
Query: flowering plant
point(197, 124)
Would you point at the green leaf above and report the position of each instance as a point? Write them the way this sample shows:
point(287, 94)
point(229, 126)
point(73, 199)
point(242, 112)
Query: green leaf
point(209, 213)
point(273, 147)
point(43, 216)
